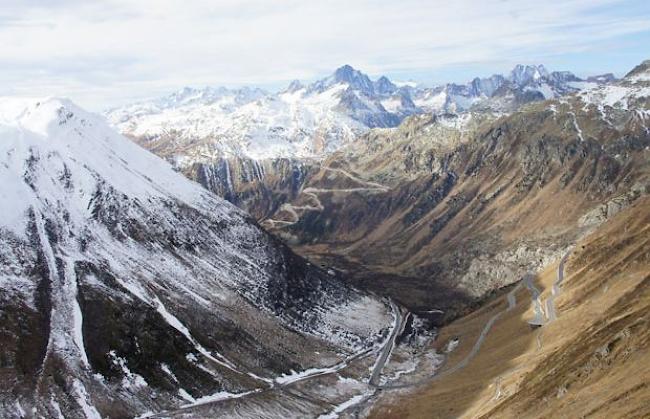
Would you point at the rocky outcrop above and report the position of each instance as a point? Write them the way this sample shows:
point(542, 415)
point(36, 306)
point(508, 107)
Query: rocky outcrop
point(607, 210)
point(488, 271)
point(260, 187)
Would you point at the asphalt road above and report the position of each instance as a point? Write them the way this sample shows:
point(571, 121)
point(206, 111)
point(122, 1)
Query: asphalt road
point(386, 351)
point(555, 290)
point(535, 296)
point(512, 303)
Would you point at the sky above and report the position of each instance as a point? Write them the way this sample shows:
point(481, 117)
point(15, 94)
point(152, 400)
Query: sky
point(105, 53)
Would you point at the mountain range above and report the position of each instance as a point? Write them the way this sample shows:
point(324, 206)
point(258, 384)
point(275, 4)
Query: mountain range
point(471, 199)
point(310, 121)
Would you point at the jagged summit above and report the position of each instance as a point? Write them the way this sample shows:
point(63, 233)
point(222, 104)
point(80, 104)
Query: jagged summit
point(384, 86)
point(301, 121)
point(523, 74)
point(294, 86)
point(345, 74)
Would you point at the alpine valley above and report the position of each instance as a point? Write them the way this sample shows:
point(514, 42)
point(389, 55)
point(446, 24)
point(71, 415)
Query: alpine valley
point(347, 247)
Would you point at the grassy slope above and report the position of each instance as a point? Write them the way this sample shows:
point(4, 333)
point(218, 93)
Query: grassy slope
point(593, 361)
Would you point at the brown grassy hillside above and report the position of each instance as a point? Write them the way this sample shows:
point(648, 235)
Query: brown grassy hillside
point(593, 361)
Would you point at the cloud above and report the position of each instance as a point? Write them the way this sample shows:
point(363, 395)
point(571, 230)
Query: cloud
point(105, 52)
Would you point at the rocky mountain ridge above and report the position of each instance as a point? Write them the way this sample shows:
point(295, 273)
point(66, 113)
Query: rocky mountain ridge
point(499, 93)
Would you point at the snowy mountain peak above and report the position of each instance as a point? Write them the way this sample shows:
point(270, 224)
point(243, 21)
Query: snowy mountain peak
point(294, 86)
point(110, 255)
point(602, 78)
point(521, 74)
point(40, 115)
point(64, 141)
point(312, 121)
point(300, 121)
point(639, 73)
point(384, 86)
point(190, 96)
point(346, 74)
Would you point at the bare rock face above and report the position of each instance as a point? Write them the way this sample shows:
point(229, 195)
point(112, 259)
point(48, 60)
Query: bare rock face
point(258, 186)
point(493, 271)
point(126, 288)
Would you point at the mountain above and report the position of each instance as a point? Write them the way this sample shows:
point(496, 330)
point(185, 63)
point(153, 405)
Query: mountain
point(252, 147)
point(466, 203)
point(126, 288)
point(310, 121)
point(640, 73)
point(298, 122)
point(498, 93)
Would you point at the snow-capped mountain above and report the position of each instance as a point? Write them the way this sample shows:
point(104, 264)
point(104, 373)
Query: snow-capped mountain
point(127, 288)
point(504, 93)
point(302, 121)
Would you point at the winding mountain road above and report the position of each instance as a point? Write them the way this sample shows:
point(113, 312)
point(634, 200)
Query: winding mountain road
point(555, 290)
point(312, 193)
point(535, 294)
point(373, 185)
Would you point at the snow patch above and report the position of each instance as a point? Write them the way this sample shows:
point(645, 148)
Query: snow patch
point(222, 395)
point(346, 405)
point(186, 396)
point(130, 379)
point(84, 401)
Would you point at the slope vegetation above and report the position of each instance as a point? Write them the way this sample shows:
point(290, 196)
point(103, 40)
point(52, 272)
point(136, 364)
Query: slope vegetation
point(592, 360)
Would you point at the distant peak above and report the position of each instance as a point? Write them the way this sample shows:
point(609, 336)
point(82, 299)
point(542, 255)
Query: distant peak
point(345, 68)
point(346, 73)
point(384, 86)
point(640, 71)
point(294, 86)
point(522, 74)
point(602, 78)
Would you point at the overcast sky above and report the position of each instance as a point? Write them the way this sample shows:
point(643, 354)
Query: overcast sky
point(108, 52)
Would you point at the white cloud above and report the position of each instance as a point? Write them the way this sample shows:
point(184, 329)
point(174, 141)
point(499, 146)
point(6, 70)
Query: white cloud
point(114, 50)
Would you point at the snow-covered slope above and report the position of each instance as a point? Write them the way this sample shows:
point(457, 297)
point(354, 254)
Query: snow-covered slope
point(631, 92)
point(125, 287)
